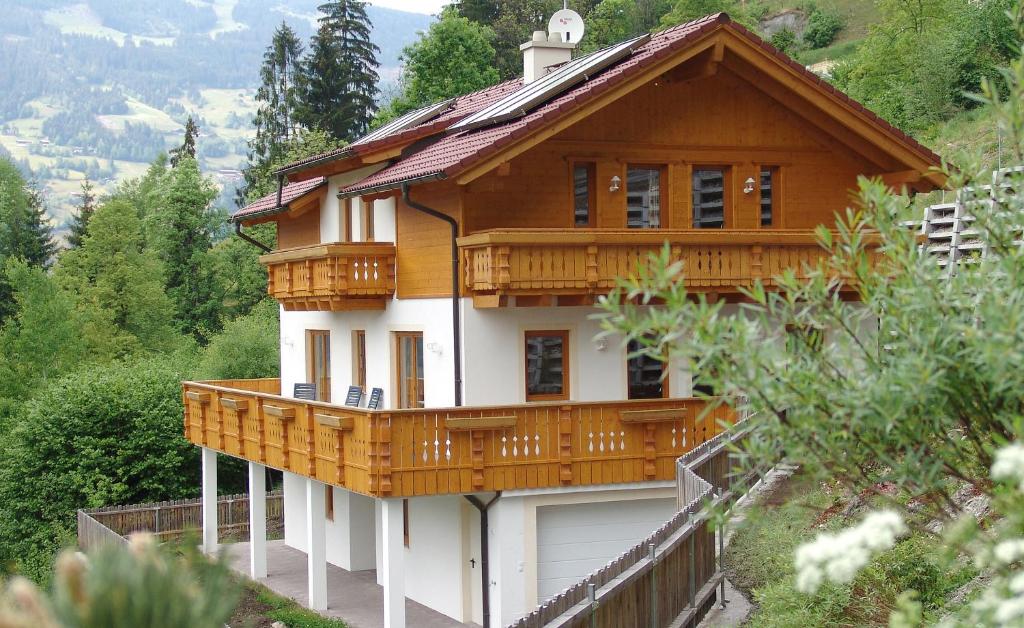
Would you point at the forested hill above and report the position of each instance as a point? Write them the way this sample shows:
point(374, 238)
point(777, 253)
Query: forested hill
point(99, 87)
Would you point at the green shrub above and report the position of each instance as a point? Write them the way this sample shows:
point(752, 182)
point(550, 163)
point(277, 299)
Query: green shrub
point(125, 587)
point(785, 40)
point(293, 615)
point(822, 28)
point(248, 348)
point(99, 436)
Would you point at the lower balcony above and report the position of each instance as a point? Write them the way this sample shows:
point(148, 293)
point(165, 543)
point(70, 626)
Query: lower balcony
point(578, 264)
point(332, 277)
point(405, 453)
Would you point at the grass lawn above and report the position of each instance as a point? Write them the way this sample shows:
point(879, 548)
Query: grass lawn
point(260, 608)
point(759, 560)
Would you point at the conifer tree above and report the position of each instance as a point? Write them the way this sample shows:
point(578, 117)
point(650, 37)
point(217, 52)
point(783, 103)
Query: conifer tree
point(340, 73)
point(188, 145)
point(275, 121)
point(80, 219)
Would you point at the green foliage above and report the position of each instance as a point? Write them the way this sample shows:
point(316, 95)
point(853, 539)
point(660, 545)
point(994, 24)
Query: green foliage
point(611, 21)
point(293, 615)
point(822, 27)
point(83, 214)
point(454, 57)
point(118, 285)
point(103, 435)
point(126, 587)
point(42, 341)
point(247, 348)
point(785, 40)
point(181, 229)
point(187, 150)
point(918, 63)
point(339, 76)
point(238, 272)
point(24, 232)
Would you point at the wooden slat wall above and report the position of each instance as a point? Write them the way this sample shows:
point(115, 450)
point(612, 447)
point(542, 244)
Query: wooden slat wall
point(405, 453)
point(424, 242)
point(302, 230)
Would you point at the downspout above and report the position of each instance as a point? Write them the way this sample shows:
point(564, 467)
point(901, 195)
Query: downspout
point(456, 319)
point(250, 239)
point(485, 562)
point(280, 189)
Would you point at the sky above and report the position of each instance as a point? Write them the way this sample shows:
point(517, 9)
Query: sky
point(430, 7)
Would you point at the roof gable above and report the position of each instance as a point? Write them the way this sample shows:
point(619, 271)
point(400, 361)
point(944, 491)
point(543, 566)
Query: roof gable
point(467, 155)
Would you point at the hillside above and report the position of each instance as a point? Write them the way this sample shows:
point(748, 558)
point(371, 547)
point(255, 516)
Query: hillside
point(98, 88)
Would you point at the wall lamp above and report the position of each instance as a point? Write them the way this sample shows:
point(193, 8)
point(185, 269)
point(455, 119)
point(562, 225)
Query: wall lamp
point(748, 185)
point(616, 184)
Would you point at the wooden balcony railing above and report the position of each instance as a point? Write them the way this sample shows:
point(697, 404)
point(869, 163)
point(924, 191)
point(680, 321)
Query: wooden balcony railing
point(332, 277)
point(546, 262)
point(403, 453)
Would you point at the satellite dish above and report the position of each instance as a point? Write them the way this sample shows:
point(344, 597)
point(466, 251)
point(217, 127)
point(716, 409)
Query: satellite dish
point(568, 24)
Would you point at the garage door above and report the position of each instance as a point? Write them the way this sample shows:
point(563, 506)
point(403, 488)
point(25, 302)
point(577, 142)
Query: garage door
point(574, 540)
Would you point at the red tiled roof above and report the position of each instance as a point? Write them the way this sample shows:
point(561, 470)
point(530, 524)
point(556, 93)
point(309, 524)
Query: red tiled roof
point(463, 106)
point(268, 204)
point(456, 152)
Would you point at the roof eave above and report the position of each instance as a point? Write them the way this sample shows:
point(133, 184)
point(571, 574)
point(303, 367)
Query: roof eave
point(394, 185)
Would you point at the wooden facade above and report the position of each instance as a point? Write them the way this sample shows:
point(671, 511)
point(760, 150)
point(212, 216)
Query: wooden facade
point(437, 451)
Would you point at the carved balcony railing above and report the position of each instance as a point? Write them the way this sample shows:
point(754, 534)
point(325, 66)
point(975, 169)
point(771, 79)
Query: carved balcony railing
point(404, 453)
point(547, 262)
point(332, 277)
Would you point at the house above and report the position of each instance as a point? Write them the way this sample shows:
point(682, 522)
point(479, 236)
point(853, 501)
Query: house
point(451, 260)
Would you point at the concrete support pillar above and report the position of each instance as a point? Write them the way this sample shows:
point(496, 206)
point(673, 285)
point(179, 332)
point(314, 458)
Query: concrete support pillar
point(209, 481)
point(257, 520)
point(393, 562)
point(316, 544)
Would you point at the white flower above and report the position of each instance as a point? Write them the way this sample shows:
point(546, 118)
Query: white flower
point(838, 557)
point(1009, 464)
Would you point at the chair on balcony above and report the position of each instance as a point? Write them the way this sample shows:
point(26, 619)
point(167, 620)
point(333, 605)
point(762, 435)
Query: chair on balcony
point(375, 397)
point(354, 396)
point(305, 391)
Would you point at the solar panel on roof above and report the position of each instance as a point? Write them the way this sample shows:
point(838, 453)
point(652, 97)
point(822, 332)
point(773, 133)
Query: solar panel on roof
point(407, 121)
point(519, 102)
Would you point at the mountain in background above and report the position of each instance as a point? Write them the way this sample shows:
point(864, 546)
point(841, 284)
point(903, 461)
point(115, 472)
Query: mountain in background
point(98, 88)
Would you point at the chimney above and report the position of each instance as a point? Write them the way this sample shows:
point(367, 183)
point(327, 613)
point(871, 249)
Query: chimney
point(542, 52)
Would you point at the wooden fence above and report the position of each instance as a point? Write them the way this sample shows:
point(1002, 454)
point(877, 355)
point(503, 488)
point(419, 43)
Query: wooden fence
point(169, 519)
point(670, 578)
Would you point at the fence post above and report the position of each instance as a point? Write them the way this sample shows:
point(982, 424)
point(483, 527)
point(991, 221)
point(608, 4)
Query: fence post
point(654, 586)
point(592, 596)
point(156, 521)
point(693, 566)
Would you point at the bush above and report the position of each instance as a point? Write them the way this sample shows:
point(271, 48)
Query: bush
point(142, 585)
point(785, 40)
point(822, 28)
point(99, 436)
point(248, 348)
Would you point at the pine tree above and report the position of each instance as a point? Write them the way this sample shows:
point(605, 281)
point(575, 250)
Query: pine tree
point(275, 121)
point(340, 73)
point(188, 145)
point(80, 219)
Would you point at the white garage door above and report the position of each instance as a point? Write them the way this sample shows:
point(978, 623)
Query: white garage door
point(576, 539)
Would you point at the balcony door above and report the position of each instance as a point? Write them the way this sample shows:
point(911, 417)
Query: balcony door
point(409, 371)
point(318, 362)
point(644, 197)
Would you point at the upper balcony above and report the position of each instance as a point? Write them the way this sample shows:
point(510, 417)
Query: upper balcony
point(332, 277)
point(540, 263)
point(436, 451)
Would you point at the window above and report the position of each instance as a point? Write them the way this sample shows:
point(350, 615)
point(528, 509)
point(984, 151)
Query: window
point(346, 220)
point(644, 375)
point(366, 221)
point(768, 176)
point(643, 197)
point(318, 362)
point(405, 522)
point(708, 198)
point(410, 369)
point(359, 358)
point(547, 365)
point(329, 501)
point(583, 181)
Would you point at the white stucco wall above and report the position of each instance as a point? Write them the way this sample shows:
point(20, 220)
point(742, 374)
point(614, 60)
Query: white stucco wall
point(330, 211)
point(294, 488)
point(430, 316)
